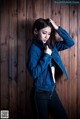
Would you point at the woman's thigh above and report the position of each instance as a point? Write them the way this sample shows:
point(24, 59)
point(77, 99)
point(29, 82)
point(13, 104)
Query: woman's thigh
point(39, 101)
point(56, 108)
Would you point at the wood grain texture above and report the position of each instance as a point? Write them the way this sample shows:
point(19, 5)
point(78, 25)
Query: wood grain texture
point(65, 55)
point(4, 56)
point(16, 20)
point(78, 63)
point(21, 59)
point(12, 59)
point(73, 62)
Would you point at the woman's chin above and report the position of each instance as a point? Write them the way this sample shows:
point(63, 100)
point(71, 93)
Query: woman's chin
point(44, 41)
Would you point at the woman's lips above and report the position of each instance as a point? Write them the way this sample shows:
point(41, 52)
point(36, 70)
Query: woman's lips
point(44, 40)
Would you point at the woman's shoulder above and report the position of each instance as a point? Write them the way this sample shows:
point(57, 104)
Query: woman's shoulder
point(34, 49)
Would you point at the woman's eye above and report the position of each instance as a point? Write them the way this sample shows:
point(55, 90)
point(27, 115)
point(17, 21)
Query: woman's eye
point(44, 33)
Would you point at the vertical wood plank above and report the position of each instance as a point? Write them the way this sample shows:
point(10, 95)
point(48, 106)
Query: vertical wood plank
point(65, 54)
point(12, 50)
point(78, 63)
point(4, 55)
point(21, 59)
point(73, 63)
point(0, 55)
point(39, 8)
point(30, 16)
point(55, 12)
point(47, 8)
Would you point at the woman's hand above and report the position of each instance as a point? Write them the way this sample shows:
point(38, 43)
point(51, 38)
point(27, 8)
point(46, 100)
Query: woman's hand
point(54, 24)
point(48, 50)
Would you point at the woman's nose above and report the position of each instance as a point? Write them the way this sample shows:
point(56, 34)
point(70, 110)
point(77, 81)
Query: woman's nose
point(46, 36)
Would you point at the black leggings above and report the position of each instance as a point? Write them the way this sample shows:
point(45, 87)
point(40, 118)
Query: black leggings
point(44, 102)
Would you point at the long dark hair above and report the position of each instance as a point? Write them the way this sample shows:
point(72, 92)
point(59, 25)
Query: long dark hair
point(40, 24)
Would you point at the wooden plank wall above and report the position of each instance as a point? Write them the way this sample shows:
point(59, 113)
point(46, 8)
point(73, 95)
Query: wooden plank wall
point(16, 19)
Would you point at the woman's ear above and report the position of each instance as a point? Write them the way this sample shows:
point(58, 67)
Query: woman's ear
point(35, 31)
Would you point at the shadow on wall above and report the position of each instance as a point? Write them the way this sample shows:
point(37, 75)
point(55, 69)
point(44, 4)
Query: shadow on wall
point(18, 82)
point(24, 42)
point(29, 78)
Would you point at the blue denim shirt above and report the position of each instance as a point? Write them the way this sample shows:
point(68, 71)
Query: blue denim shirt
point(39, 63)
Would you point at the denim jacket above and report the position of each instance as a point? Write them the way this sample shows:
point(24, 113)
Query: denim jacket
point(39, 63)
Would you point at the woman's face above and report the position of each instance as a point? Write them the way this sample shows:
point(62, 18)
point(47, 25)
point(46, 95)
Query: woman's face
point(44, 34)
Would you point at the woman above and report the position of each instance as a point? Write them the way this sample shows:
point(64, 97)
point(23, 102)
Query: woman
point(43, 62)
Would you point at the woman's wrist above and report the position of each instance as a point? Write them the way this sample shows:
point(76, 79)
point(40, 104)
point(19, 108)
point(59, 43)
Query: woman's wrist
point(54, 24)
